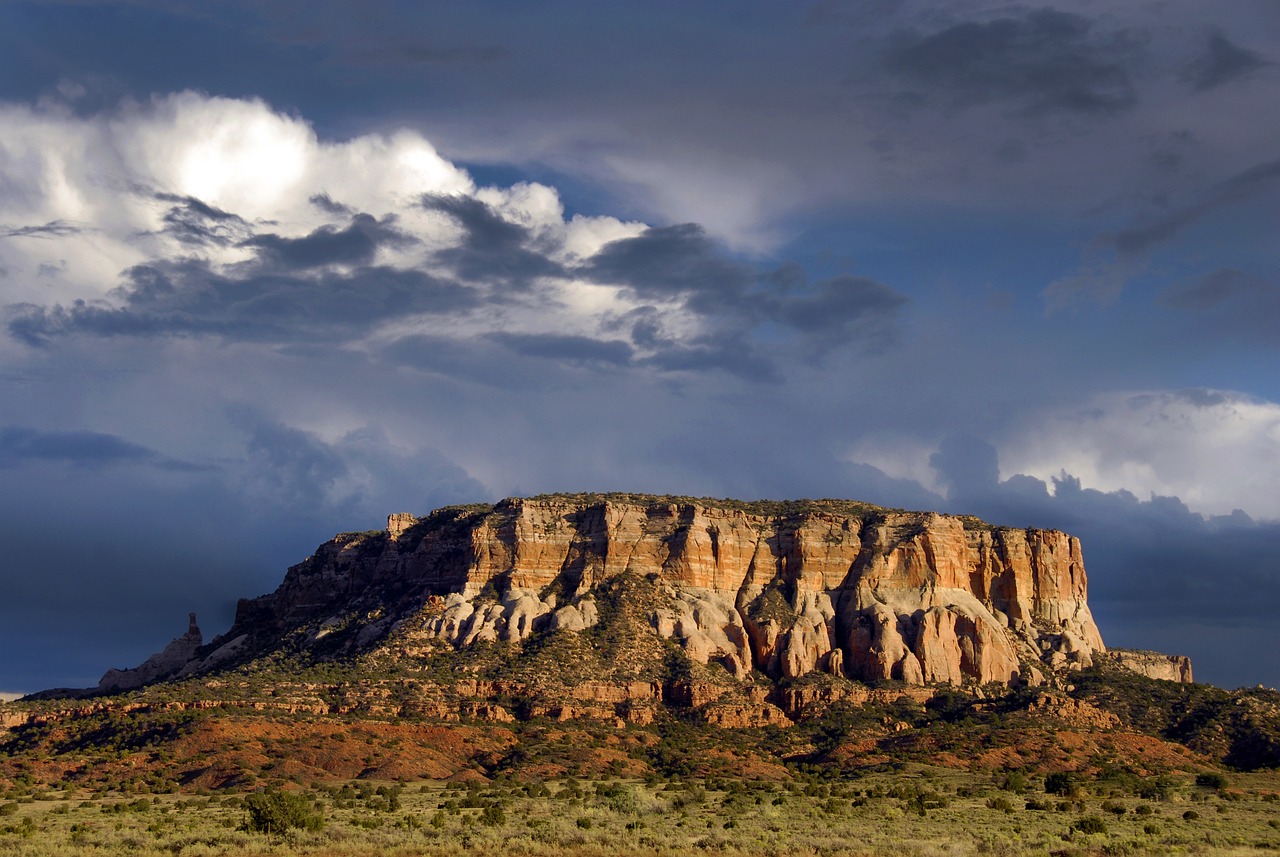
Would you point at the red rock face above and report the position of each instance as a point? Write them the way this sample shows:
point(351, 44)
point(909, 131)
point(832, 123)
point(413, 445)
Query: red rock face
point(842, 587)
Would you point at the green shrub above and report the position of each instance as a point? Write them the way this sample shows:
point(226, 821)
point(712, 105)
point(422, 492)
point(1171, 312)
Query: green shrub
point(1211, 780)
point(1190, 815)
point(1090, 824)
point(1114, 807)
point(1058, 783)
point(493, 816)
point(277, 812)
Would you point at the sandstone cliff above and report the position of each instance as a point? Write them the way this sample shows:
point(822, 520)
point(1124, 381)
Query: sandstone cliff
point(772, 589)
point(1154, 665)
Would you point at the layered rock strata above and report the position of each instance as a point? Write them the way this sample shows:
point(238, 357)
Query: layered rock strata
point(779, 589)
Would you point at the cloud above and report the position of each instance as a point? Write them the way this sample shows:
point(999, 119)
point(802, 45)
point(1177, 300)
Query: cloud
point(1221, 62)
point(81, 448)
point(1232, 191)
point(52, 229)
point(1041, 61)
point(189, 298)
point(1216, 449)
point(1113, 258)
point(355, 244)
point(682, 264)
point(196, 223)
point(360, 475)
point(841, 310)
point(669, 262)
point(1228, 305)
point(569, 349)
point(965, 463)
point(493, 248)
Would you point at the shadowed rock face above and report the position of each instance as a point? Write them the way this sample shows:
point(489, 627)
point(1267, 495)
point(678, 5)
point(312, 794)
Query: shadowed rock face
point(160, 665)
point(785, 589)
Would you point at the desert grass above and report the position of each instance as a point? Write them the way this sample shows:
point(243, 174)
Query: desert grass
point(919, 811)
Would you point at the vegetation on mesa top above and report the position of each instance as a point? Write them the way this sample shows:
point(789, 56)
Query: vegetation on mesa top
point(777, 509)
point(763, 508)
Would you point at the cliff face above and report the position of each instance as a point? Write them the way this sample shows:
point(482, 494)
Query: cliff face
point(784, 589)
point(1154, 665)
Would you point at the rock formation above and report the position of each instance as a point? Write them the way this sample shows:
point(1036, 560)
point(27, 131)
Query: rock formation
point(174, 657)
point(1154, 665)
point(779, 589)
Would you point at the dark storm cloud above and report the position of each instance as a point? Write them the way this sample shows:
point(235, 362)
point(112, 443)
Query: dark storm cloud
point(965, 463)
point(84, 448)
point(1235, 190)
point(843, 309)
point(476, 360)
point(731, 352)
point(1229, 304)
point(329, 205)
point(188, 298)
point(52, 229)
point(669, 261)
point(357, 244)
point(493, 249)
point(1041, 60)
point(1221, 62)
point(192, 221)
point(566, 348)
point(682, 262)
point(38, 326)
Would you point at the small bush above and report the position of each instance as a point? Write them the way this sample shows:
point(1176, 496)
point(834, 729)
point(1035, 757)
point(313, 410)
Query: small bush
point(493, 816)
point(1089, 824)
point(277, 812)
point(1190, 815)
point(1058, 783)
point(1016, 781)
point(1211, 780)
point(1000, 804)
point(583, 823)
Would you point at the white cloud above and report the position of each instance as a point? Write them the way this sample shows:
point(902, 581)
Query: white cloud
point(1216, 450)
point(82, 199)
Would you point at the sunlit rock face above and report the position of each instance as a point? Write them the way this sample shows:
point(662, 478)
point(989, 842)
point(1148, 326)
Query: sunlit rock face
point(779, 589)
point(1154, 665)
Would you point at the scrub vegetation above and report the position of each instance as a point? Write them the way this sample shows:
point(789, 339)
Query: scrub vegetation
point(909, 809)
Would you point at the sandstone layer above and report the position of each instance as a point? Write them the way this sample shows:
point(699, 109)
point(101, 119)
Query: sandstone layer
point(772, 589)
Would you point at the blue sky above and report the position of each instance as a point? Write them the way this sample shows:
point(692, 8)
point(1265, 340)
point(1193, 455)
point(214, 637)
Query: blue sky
point(271, 271)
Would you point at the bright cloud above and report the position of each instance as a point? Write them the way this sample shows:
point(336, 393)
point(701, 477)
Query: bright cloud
point(1216, 450)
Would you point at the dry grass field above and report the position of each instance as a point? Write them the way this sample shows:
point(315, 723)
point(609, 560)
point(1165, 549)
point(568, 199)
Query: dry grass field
point(915, 810)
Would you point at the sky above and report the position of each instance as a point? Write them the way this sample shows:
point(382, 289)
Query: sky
point(271, 271)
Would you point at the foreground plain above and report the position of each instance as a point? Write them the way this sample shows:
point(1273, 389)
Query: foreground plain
point(909, 810)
